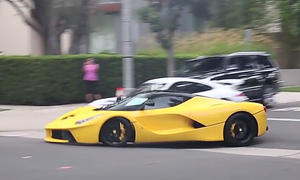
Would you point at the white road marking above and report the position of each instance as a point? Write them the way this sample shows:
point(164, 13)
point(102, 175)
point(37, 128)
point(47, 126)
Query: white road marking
point(283, 119)
point(64, 167)
point(297, 109)
point(26, 157)
point(253, 151)
point(26, 134)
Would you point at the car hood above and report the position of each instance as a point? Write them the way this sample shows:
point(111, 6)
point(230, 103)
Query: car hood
point(69, 119)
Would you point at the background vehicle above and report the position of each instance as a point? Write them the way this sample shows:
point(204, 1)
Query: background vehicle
point(161, 117)
point(259, 72)
point(204, 87)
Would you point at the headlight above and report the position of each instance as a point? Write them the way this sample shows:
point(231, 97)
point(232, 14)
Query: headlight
point(87, 119)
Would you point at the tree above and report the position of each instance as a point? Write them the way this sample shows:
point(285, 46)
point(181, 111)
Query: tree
point(80, 40)
point(239, 13)
point(201, 10)
point(50, 18)
point(290, 32)
point(163, 16)
point(290, 21)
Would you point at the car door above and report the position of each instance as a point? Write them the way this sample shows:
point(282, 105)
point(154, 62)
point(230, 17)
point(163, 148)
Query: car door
point(163, 119)
point(245, 68)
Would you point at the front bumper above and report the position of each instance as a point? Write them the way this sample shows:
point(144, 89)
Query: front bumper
point(88, 133)
point(59, 136)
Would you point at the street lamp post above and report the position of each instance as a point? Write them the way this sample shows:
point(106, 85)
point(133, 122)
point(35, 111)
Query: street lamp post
point(128, 65)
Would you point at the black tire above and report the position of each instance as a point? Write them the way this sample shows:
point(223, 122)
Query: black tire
point(268, 96)
point(117, 132)
point(239, 130)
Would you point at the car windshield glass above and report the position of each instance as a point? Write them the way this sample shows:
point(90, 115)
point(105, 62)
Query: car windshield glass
point(150, 87)
point(130, 104)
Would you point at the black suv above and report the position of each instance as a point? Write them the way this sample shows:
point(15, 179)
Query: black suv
point(260, 74)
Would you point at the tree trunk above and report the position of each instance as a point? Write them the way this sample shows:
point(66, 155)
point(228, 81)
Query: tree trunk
point(171, 62)
point(80, 37)
point(52, 38)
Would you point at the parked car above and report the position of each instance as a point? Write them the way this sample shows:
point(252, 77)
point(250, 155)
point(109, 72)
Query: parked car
point(161, 117)
point(203, 87)
point(259, 73)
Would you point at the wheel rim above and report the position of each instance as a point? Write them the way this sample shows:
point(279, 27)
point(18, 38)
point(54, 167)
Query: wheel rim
point(115, 133)
point(239, 130)
point(268, 97)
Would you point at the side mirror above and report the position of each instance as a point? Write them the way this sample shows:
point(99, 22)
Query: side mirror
point(149, 103)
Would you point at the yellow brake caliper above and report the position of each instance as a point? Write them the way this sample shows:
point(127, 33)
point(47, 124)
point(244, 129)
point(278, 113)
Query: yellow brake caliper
point(123, 131)
point(232, 130)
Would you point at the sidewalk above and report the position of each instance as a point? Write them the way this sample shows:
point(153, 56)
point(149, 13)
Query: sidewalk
point(287, 97)
point(34, 118)
point(31, 117)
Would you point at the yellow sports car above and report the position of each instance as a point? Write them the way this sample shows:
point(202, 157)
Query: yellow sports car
point(161, 117)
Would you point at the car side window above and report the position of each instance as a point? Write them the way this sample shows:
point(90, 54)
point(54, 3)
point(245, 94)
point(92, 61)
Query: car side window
point(242, 63)
point(233, 64)
point(212, 64)
point(205, 65)
point(264, 62)
point(165, 102)
point(189, 87)
point(180, 87)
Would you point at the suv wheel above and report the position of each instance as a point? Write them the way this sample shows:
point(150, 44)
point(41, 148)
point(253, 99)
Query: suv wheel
point(268, 96)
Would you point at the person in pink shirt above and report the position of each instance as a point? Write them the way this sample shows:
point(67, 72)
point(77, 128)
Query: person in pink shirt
point(91, 79)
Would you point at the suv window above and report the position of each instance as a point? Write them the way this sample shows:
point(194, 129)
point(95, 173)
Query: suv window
point(242, 63)
point(264, 62)
point(189, 87)
point(211, 65)
point(205, 65)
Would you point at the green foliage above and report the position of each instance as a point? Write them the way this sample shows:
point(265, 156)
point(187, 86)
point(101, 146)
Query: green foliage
point(163, 20)
point(290, 13)
point(290, 89)
point(149, 15)
point(239, 13)
point(217, 49)
point(49, 80)
point(201, 11)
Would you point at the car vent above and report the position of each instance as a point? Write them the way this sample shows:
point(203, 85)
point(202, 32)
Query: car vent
point(197, 124)
point(63, 135)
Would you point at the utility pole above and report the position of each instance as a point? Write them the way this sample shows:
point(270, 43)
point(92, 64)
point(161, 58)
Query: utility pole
point(128, 65)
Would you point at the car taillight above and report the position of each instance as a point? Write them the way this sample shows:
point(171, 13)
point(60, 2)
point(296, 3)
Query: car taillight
point(265, 108)
point(240, 94)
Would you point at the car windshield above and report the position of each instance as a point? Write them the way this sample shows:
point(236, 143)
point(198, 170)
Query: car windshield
point(130, 104)
point(150, 87)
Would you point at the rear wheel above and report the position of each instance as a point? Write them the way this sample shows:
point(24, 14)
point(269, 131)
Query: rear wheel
point(268, 96)
point(117, 132)
point(239, 130)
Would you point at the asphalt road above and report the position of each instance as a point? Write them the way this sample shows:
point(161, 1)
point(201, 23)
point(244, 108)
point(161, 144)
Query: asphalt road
point(275, 156)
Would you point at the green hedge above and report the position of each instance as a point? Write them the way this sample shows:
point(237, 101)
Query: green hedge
point(49, 80)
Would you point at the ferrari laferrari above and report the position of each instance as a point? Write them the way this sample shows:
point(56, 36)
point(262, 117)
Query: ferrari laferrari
point(161, 117)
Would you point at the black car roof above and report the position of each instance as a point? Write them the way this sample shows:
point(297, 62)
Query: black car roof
point(205, 57)
point(150, 93)
point(258, 53)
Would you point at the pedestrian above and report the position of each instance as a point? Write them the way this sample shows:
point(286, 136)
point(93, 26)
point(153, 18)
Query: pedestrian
point(91, 79)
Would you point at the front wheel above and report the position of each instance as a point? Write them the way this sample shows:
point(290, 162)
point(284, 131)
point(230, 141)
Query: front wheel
point(239, 130)
point(116, 132)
